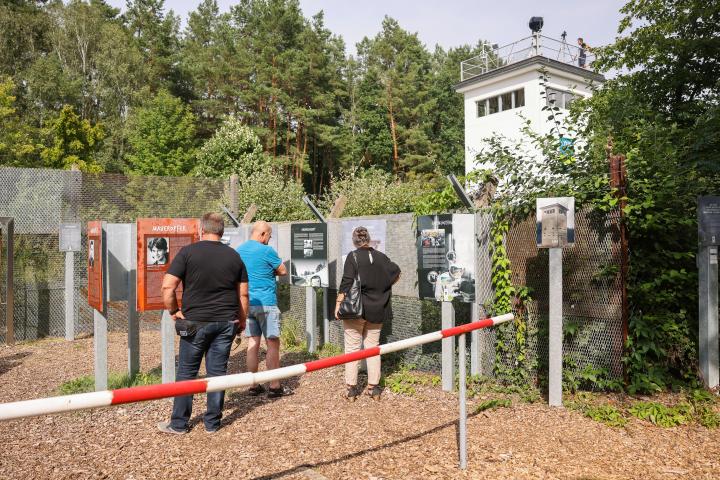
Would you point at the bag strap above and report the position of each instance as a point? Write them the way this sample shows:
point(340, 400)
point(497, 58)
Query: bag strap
point(357, 268)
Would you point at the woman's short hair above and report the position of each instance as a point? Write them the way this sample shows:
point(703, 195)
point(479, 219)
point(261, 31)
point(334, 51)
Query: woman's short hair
point(158, 243)
point(360, 236)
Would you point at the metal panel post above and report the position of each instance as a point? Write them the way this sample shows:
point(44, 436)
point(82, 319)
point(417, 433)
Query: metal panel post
point(326, 317)
point(708, 321)
point(475, 347)
point(167, 340)
point(448, 347)
point(69, 295)
point(463, 401)
point(100, 344)
point(133, 318)
point(556, 333)
point(310, 317)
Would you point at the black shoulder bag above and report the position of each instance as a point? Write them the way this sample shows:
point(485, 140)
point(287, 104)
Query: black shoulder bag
point(351, 307)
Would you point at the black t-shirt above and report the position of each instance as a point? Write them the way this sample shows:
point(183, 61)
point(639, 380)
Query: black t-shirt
point(210, 272)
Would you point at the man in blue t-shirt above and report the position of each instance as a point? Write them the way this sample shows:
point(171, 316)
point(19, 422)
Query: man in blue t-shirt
point(263, 264)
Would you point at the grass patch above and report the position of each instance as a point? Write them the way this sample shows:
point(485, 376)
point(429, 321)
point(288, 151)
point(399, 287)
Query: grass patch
point(86, 383)
point(494, 403)
point(292, 335)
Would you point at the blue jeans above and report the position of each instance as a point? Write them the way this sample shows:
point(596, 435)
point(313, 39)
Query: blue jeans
point(212, 341)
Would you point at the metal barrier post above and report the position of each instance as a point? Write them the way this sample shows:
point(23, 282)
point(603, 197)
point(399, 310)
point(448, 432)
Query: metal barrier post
point(556, 333)
point(463, 402)
point(448, 348)
point(167, 340)
point(310, 317)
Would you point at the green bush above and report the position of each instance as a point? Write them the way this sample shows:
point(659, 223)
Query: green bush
point(86, 383)
point(607, 414)
point(660, 415)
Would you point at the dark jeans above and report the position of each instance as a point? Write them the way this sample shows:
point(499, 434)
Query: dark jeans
point(213, 341)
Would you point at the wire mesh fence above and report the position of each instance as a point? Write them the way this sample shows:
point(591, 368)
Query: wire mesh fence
point(39, 200)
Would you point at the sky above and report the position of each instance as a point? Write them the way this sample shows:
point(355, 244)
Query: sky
point(451, 23)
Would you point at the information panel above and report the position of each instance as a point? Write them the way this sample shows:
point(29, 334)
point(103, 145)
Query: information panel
point(70, 237)
point(555, 222)
point(95, 265)
point(376, 229)
point(158, 241)
point(308, 254)
point(446, 257)
point(709, 220)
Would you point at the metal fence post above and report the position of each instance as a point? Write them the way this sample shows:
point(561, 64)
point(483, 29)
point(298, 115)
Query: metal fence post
point(463, 402)
point(556, 333)
point(69, 295)
point(133, 317)
point(475, 351)
point(167, 340)
point(100, 344)
point(310, 317)
point(448, 347)
point(708, 321)
point(326, 316)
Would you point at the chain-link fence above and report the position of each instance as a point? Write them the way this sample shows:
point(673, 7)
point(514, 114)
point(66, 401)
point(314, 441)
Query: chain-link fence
point(39, 200)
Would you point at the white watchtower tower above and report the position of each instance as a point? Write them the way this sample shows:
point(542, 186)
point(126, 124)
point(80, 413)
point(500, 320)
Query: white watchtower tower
point(503, 88)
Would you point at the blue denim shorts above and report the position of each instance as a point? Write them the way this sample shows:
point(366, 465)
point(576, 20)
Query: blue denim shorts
point(263, 320)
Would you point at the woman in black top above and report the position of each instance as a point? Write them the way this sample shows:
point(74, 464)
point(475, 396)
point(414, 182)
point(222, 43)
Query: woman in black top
point(377, 276)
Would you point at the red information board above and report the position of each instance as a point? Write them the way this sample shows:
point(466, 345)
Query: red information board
point(95, 266)
point(158, 241)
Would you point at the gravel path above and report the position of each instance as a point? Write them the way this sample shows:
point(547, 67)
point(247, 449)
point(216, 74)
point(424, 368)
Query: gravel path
point(316, 434)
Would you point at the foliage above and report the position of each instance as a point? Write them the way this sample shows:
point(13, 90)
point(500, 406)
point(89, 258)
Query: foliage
point(277, 198)
point(292, 335)
point(161, 137)
point(86, 383)
point(404, 380)
point(493, 403)
point(234, 148)
point(660, 415)
point(480, 385)
point(607, 414)
point(16, 144)
point(73, 142)
point(371, 192)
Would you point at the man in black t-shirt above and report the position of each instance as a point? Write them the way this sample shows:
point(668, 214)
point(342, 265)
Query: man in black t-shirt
point(214, 307)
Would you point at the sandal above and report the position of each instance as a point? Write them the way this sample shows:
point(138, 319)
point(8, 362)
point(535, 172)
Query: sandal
point(281, 391)
point(352, 393)
point(374, 391)
point(256, 390)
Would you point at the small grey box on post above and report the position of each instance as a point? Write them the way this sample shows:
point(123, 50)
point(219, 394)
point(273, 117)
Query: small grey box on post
point(555, 229)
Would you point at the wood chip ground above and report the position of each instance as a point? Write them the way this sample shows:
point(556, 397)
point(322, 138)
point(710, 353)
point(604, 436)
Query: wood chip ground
point(317, 434)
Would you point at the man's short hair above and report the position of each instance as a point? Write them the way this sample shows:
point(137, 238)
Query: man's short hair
point(213, 223)
point(360, 236)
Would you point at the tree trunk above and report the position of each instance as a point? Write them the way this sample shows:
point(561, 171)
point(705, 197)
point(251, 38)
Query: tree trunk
point(393, 133)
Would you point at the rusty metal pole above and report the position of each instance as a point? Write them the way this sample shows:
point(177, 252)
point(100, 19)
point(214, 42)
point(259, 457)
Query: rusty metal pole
point(618, 181)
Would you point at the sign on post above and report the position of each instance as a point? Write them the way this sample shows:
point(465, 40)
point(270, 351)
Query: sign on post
point(709, 239)
point(555, 227)
point(308, 254)
point(95, 265)
point(70, 237)
point(446, 257)
point(158, 241)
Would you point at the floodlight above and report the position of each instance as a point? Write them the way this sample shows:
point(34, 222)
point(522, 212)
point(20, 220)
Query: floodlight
point(314, 209)
point(460, 191)
point(535, 24)
point(235, 220)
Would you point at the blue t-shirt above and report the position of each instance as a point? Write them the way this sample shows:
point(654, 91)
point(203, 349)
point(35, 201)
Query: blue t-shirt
point(261, 261)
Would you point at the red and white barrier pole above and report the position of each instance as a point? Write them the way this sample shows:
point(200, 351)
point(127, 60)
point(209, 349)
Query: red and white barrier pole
point(66, 403)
